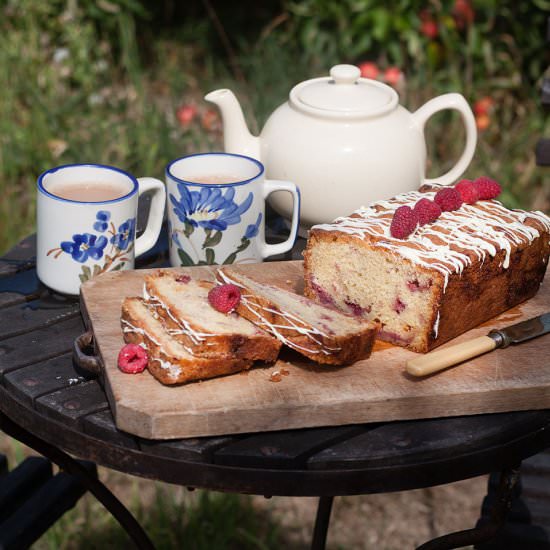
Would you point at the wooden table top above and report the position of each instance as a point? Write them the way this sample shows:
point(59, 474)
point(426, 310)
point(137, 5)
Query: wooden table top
point(43, 392)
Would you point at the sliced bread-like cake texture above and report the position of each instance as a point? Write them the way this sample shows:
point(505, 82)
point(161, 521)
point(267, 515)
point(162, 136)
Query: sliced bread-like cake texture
point(169, 361)
point(181, 303)
point(448, 276)
point(322, 334)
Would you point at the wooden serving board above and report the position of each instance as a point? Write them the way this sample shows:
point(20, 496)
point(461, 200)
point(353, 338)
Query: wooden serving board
point(377, 389)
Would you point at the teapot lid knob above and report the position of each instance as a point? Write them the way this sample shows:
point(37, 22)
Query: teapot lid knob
point(345, 74)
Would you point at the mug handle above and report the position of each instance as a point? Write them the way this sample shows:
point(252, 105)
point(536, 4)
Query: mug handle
point(271, 186)
point(458, 103)
point(156, 214)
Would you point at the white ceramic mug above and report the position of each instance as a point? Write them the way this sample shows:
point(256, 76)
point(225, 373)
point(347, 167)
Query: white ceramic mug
point(77, 240)
point(222, 222)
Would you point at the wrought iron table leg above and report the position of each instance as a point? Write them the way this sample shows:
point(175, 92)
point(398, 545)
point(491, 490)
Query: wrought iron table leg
point(484, 533)
point(92, 484)
point(321, 523)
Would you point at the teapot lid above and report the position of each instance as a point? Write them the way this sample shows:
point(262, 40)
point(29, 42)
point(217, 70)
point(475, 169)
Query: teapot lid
point(343, 94)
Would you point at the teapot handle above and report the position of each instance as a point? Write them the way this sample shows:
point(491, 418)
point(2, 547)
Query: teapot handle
point(458, 103)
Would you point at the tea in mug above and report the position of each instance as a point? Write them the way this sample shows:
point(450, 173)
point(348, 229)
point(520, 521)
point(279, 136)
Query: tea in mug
point(88, 191)
point(215, 179)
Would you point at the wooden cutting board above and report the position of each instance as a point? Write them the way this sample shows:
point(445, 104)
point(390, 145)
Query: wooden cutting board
point(377, 389)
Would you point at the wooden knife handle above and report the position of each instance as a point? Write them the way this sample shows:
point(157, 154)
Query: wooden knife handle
point(447, 357)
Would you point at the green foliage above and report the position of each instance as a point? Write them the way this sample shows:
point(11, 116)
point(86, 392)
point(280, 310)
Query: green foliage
point(73, 90)
point(101, 80)
point(173, 519)
point(503, 41)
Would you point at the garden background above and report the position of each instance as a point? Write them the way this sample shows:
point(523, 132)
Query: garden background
point(121, 82)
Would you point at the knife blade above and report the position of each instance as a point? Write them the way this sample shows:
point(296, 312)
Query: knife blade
point(521, 332)
point(496, 338)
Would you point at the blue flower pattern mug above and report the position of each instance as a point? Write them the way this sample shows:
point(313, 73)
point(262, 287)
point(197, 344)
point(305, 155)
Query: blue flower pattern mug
point(77, 240)
point(222, 222)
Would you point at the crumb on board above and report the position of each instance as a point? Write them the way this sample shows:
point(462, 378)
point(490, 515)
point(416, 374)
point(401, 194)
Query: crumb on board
point(277, 375)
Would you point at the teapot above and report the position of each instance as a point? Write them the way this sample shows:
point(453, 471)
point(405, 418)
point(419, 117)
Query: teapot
point(344, 141)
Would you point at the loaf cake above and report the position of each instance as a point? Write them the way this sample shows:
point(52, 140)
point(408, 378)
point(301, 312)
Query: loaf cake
point(320, 333)
point(181, 304)
point(446, 277)
point(168, 360)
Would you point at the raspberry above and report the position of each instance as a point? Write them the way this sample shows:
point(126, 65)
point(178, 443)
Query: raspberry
point(487, 188)
point(224, 298)
point(132, 359)
point(426, 211)
point(468, 191)
point(404, 222)
point(448, 199)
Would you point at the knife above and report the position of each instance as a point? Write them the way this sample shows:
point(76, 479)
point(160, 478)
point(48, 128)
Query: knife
point(501, 338)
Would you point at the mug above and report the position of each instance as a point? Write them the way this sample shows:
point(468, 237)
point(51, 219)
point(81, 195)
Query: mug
point(216, 210)
point(79, 237)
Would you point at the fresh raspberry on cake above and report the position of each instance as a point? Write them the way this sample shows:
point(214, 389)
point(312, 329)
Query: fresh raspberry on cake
point(224, 298)
point(132, 359)
point(448, 199)
point(468, 191)
point(487, 188)
point(426, 211)
point(404, 222)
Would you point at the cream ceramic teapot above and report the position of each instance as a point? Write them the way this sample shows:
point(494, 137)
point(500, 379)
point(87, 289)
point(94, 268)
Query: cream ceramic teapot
point(344, 140)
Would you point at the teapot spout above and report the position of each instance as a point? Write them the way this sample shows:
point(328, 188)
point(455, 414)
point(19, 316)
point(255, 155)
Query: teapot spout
point(237, 138)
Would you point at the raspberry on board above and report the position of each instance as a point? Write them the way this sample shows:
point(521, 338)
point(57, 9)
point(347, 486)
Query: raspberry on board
point(448, 199)
point(224, 298)
point(132, 359)
point(468, 191)
point(426, 211)
point(404, 222)
point(487, 188)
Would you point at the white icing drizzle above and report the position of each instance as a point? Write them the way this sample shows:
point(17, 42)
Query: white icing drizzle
point(128, 327)
point(436, 326)
point(185, 328)
point(173, 370)
point(294, 323)
point(448, 244)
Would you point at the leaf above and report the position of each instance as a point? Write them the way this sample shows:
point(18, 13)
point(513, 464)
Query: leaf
point(212, 241)
point(185, 259)
point(210, 256)
point(188, 229)
point(245, 243)
point(86, 273)
point(231, 258)
point(118, 266)
point(97, 270)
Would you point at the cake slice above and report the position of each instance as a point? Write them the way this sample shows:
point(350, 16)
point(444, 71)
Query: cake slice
point(320, 333)
point(446, 277)
point(169, 361)
point(181, 304)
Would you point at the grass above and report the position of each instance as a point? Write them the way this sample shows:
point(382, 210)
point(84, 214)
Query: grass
point(173, 518)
